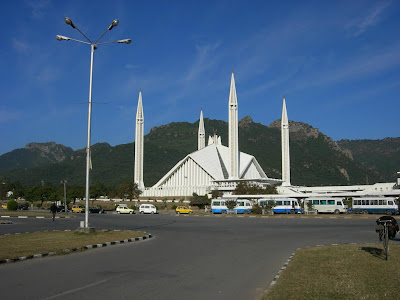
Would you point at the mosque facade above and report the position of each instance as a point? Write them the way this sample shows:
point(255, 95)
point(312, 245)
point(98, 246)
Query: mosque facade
point(211, 167)
point(221, 168)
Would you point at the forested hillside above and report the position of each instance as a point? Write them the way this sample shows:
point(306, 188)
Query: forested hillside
point(315, 158)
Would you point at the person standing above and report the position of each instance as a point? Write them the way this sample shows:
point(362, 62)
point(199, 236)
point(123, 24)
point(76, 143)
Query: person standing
point(53, 209)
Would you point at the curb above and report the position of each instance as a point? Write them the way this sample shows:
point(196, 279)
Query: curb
point(33, 217)
point(10, 260)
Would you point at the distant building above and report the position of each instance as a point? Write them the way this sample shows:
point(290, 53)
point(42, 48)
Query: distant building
point(214, 167)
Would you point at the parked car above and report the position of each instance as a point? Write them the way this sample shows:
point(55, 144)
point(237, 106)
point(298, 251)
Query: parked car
point(96, 210)
point(147, 209)
point(61, 208)
point(4, 205)
point(183, 210)
point(124, 209)
point(78, 209)
point(24, 206)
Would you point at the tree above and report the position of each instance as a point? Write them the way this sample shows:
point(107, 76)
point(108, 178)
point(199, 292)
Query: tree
point(244, 188)
point(199, 201)
point(129, 190)
point(216, 193)
point(230, 204)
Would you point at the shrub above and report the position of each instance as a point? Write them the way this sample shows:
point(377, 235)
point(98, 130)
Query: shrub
point(173, 207)
point(230, 204)
point(257, 210)
point(310, 205)
point(12, 205)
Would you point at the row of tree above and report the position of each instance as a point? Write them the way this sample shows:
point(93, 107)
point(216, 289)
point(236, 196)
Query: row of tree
point(128, 190)
point(48, 192)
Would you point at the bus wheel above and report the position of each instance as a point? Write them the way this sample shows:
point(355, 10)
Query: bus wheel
point(336, 212)
point(365, 212)
point(292, 211)
point(389, 212)
point(223, 212)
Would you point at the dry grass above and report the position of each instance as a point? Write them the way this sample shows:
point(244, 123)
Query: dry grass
point(46, 214)
point(340, 272)
point(26, 244)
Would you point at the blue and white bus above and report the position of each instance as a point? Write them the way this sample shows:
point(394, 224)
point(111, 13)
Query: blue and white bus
point(243, 206)
point(283, 206)
point(375, 205)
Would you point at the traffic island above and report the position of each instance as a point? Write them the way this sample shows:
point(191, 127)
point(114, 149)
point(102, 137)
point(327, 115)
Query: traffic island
point(22, 246)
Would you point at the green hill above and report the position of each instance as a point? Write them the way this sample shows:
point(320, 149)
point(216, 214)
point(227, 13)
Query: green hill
point(315, 158)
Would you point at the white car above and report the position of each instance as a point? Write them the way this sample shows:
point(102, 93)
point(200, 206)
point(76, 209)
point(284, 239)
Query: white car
point(147, 209)
point(124, 209)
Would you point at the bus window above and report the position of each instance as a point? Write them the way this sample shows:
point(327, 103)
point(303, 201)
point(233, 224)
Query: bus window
point(278, 202)
point(240, 203)
point(380, 202)
point(332, 202)
point(248, 204)
point(338, 202)
point(390, 202)
point(323, 202)
point(286, 202)
point(363, 202)
point(315, 202)
point(374, 202)
point(217, 203)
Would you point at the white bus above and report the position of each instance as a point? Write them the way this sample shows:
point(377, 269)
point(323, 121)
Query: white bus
point(283, 206)
point(327, 205)
point(242, 206)
point(375, 205)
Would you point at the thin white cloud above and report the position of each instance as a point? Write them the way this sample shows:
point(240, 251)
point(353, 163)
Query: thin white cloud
point(38, 8)
point(204, 61)
point(373, 17)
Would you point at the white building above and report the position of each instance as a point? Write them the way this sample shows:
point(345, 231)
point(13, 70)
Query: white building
point(215, 167)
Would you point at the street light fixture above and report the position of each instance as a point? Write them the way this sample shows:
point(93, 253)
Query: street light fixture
point(93, 46)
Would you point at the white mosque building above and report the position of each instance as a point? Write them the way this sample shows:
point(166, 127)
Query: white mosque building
point(217, 167)
point(211, 167)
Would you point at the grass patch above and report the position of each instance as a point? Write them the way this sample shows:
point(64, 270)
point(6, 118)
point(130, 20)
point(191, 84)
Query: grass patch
point(46, 214)
point(26, 244)
point(340, 272)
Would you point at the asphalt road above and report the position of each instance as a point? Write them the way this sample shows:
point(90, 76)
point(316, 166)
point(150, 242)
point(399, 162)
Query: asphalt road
point(190, 257)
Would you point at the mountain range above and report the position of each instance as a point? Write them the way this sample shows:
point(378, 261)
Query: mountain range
point(315, 158)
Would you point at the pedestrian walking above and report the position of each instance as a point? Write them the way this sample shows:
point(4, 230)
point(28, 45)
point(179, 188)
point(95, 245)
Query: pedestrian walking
point(53, 209)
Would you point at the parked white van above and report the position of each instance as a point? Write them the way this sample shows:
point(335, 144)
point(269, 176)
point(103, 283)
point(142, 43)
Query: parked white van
point(147, 209)
point(328, 205)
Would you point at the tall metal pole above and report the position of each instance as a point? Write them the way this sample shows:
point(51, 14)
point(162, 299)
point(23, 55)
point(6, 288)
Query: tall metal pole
point(92, 47)
point(65, 196)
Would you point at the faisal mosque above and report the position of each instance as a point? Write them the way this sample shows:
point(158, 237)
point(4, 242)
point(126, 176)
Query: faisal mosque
point(219, 167)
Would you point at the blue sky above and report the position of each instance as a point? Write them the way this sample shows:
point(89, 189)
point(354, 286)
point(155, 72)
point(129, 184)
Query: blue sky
point(336, 62)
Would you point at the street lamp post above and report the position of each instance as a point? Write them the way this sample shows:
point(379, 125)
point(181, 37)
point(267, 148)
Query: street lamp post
point(93, 46)
point(65, 195)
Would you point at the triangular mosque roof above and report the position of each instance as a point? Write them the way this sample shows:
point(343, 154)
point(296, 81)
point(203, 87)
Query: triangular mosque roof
point(214, 160)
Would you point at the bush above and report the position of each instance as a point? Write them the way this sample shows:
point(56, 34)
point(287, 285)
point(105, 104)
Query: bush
point(12, 205)
point(257, 209)
point(173, 207)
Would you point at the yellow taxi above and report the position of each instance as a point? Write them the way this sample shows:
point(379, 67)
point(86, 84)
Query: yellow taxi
point(78, 209)
point(183, 210)
point(4, 205)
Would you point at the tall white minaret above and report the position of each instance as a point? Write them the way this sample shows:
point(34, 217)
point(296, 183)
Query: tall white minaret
point(285, 146)
point(202, 134)
point(139, 144)
point(233, 132)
